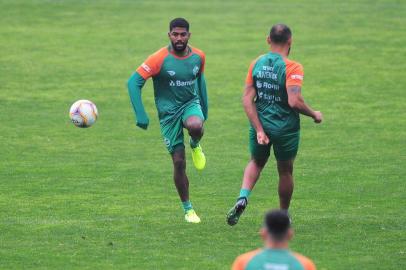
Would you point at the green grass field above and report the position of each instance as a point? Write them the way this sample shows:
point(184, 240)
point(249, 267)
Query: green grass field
point(103, 198)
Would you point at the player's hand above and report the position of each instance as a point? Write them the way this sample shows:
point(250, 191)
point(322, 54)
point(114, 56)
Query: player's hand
point(262, 138)
point(318, 117)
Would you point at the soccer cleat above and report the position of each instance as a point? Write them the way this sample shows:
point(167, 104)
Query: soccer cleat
point(191, 216)
point(199, 159)
point(234, 214)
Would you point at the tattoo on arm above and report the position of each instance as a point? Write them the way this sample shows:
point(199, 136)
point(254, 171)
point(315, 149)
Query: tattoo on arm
point(295, 89)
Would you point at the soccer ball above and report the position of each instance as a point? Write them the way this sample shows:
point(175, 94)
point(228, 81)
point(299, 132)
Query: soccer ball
point(83, 113)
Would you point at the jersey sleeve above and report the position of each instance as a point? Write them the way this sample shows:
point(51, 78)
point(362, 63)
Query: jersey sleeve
point(238, 264)
point(249, 80)
point(306, 262)
point(241, 261)
point(202, 57)
point(294, 74)
point(203, 64)
point(152, 65)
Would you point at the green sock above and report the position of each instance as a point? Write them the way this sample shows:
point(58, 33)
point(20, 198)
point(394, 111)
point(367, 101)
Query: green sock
point(245, 193)
point(194, 143)
point(187, 205)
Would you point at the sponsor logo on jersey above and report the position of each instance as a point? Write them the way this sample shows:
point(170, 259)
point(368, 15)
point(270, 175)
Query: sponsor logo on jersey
point(297, 77)
point(181, 83)
point(267, 85)
point(195, 70)
point(259, 84)
point(274, 266)
point(146, 67)
point(269, 97)
point(171, 72)
point(266, 75)
point(267, 68)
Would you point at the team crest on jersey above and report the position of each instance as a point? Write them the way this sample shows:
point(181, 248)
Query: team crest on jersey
point(195, 70)
point(171, 72)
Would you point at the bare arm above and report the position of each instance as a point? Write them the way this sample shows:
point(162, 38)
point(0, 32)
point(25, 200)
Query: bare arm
point(249, 107)
point(252, 114)
point(296, 102)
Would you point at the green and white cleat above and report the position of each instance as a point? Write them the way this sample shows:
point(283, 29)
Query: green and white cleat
point(199, 159)
point(236, 211)
point(191, 216)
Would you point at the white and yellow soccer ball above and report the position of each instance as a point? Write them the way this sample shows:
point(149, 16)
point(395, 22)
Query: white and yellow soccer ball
point(83, 113)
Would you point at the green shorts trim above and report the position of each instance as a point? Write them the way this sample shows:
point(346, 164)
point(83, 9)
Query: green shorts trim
point(172, 128)
point(285, 145)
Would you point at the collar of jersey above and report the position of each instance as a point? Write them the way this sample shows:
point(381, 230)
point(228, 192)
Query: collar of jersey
point(190, 52)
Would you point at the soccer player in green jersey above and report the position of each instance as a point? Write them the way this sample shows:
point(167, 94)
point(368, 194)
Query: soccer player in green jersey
point(181, 101)
point(276, 234)
point(273, 101)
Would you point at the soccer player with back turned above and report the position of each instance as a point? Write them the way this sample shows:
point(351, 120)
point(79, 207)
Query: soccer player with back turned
point(273, 101)
point(275, 255)
point(181, 101)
